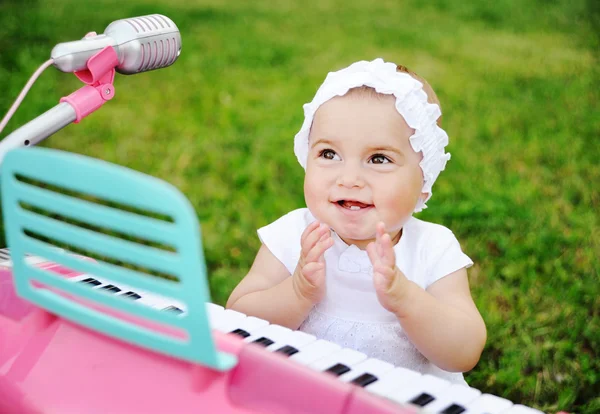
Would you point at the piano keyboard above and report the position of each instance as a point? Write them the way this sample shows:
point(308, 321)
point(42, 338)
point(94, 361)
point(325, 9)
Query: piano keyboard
point(401, 385)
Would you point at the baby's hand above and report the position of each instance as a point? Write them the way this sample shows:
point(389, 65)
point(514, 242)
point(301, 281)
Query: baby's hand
point(390, 283)
point(309, 276)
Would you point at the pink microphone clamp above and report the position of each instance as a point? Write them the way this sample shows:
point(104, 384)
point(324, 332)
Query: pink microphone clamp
point(98, 77)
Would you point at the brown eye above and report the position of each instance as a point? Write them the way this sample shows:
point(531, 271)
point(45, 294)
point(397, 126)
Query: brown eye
point(328, 154)
point(379, 159)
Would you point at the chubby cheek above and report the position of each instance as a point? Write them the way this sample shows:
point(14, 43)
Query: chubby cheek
point(314, 194)
point(308, 192)
point(399, 204)
point(397, 201)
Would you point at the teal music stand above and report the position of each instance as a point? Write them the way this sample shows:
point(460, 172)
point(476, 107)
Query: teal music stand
point(53, 198)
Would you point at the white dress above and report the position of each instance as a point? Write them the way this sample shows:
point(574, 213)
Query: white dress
point(350, 315)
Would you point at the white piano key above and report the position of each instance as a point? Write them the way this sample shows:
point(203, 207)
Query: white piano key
point(429, 384)
point(252, 324)
point(296, 339)
point(79, 277)
point(521, 409)
point(170, 302)
point(275, 333)
point(488, 404)
point(346, 356)
point(395, 378)
point(228, 321)
point(213, 312)
point(456, 394)
point(371, 366)
point(315, 351)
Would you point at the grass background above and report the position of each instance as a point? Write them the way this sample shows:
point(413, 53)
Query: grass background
point(518, 82)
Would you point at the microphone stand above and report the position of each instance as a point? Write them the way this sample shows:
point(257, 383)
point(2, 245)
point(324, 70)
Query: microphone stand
point(98, 77)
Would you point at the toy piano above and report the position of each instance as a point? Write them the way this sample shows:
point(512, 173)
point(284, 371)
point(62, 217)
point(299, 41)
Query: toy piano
point(105, 308)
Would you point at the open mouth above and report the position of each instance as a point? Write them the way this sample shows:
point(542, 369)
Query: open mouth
point(353, 205)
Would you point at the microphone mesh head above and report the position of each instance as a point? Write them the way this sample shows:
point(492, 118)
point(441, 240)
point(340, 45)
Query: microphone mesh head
point(153, 42)
point(157, 54)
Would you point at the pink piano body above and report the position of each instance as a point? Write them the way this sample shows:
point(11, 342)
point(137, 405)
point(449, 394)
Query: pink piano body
point(51, 365)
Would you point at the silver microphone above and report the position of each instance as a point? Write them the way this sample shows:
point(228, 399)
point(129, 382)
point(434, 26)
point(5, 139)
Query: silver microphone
point(142, 43)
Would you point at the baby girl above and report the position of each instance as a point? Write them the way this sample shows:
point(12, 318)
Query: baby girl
point(355, 267)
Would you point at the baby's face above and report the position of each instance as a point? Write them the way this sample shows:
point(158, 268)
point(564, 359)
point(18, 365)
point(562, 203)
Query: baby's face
point(361, 168)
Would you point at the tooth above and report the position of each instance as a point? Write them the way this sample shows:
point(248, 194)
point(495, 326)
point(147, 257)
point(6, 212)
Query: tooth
point(354, 208)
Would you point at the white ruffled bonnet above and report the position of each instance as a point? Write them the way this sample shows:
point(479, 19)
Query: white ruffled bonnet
point(411, 103)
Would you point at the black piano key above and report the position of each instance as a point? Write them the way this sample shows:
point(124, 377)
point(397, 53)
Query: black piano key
point(111, 288)
point(91, 281)
point(422, 400)
point(454, 409)
point(241, 332)
point(131, 295)
point(338, 369)
point(287, 350)
point(364, 379)
point(264, 341)
point(173, 309)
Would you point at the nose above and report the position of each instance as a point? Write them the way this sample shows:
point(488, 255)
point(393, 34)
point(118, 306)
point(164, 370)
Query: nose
point(350, 176)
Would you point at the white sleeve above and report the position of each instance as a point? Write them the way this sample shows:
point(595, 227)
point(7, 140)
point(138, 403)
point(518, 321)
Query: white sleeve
point(282, 237)
point(446, 257)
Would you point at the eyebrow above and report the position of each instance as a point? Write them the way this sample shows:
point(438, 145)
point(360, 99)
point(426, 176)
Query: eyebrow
point(386, 148)
point(321, 141)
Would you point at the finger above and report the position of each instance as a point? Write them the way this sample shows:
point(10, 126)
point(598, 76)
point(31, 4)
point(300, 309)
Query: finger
point(321, 258)
point(308, 230)
point(388, 256)
point(319, 249)
point(378, 239)
point(381, 228)
point(372, 253)
point(314, 236)
point(381, 232)
point(325, 235)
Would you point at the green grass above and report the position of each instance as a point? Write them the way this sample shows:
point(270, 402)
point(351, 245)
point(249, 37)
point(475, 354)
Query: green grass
point(518, 82)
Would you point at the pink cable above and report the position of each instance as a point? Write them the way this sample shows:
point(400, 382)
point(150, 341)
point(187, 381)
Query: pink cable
point(21, 96)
